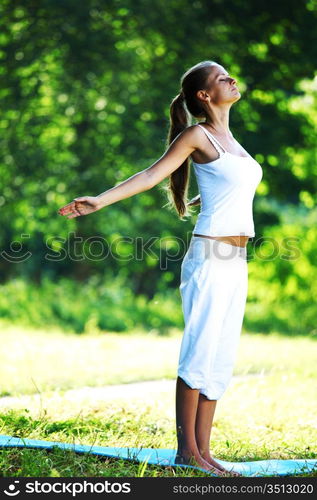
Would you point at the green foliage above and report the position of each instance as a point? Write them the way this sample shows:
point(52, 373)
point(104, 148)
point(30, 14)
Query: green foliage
point(283, 277)
point(87, 306)
point(282, 284)
point(85, 90)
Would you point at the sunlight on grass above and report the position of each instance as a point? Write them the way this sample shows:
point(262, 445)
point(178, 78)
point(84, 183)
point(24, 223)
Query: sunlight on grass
point(36, 360)
point(64, 361)
point(268, 410)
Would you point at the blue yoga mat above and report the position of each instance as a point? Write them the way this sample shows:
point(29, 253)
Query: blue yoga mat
point(166, 457)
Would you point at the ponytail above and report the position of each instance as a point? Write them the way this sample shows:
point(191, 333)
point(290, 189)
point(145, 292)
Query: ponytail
point(177, 188)
point(178, 117)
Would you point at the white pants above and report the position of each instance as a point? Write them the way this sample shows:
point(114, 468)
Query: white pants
point(213, 288)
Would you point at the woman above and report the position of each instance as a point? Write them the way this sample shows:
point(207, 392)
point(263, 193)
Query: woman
point(214, 272)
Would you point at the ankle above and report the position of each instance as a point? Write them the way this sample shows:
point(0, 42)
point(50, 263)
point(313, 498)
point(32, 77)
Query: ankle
point(204, 451)
point(187, 452)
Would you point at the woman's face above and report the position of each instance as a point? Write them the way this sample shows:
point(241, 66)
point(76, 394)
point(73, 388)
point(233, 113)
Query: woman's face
point(222, 88)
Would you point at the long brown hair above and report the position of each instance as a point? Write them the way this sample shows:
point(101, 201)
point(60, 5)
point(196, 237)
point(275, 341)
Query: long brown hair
point(184, 103)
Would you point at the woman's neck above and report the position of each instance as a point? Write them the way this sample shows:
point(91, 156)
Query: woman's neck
point(218, 121)
point(221, 132)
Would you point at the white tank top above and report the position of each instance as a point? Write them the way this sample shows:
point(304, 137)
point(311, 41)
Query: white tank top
point(227, 186)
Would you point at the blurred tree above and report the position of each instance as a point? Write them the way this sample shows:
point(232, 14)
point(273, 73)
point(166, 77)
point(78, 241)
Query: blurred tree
point(85, 90)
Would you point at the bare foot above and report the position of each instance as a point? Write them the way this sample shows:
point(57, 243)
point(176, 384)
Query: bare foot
point(198, 461)
point(216, 464)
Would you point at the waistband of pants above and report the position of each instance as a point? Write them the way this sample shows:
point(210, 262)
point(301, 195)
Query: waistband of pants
point(216, 248)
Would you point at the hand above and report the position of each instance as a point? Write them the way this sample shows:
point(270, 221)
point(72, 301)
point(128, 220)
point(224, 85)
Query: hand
point(83, 205)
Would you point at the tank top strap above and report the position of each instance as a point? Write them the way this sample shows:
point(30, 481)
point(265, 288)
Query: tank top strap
point(213, 140)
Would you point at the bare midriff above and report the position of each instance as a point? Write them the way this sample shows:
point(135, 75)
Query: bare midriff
point(239, 241)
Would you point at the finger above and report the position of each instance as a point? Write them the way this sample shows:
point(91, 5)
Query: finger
point(73, 215)
point(71, 207)
point(67, 208)
point(78, 208)
point(65, 212)
point(71, 204)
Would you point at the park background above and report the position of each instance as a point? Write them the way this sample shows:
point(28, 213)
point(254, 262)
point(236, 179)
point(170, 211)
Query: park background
point(85, 91)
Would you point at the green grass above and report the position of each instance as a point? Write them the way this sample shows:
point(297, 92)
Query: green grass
point(268, 413)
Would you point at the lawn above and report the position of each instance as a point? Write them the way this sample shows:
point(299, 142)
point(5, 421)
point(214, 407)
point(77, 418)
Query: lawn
point(268, 411)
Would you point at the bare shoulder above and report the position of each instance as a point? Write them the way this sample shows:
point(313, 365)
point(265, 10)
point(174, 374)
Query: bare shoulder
point(192, 135)
point(193, 131)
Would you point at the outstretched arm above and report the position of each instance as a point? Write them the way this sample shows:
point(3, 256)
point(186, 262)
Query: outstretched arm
point(182, 146)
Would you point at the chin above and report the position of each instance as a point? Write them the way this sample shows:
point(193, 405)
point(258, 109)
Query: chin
point(236, 97)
